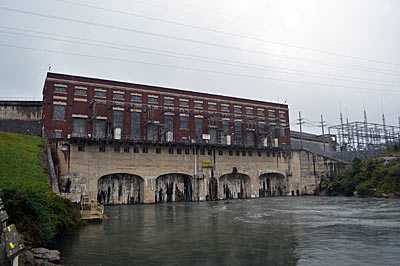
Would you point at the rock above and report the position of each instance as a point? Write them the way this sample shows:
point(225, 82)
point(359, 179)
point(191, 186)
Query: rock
point(47, 255)
point(27, 258)
point(355, 194)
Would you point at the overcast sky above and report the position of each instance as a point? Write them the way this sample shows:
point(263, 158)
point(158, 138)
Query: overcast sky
point(315, 55)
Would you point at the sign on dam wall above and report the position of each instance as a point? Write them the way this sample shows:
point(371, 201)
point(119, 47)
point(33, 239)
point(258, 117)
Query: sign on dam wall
point(132, 173)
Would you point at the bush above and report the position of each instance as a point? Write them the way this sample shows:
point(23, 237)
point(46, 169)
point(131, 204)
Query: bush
point(39, 214)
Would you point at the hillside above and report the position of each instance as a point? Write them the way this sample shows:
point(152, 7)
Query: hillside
point(375, 177)
point(39, 214)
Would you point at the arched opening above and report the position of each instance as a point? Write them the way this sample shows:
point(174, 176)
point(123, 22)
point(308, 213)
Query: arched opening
point(120, 189)
point(235, 186)
point(173, 187)
point(272, 184)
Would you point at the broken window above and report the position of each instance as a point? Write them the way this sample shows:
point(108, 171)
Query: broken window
point(79, 127)
point(100, 94)
point(80, 92)
point(118, 95)
point(135, 124)
point(169, 101)
point(238, 132)
point(60, 89)
point(59, 112)
point(169, 123)
point(118, 119)
point(184, 122)
point(136, 97)
point(99, 128)
point(198, 127)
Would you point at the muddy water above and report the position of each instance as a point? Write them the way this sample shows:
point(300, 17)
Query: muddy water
point(265, 231)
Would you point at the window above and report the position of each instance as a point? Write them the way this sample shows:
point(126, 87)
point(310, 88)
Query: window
point(60, 89)
point(179, 150)
point(230, 153)
point(145, 150)
point(169, 101)
point(237, 153)
point(249, 111)
point(118, 95)
point(237, 109)
point(171, 150)
point(158, 150)
point(152, 99)
point(209, 152)
point(79, 127)
point(198, 105)
point(81, 147)
point(268, 153)
point(135, 97)
point(225, 108)
point(271, 112)
point(238, 132)
point(259, 153)
point(118, 119)
point(195, 151)
point(282, 115)
point(58, 134)
point(80, 92)
point(243, 153)
point(273, 154)
point(126, 149)
point(102, 148)
point(282, 132)
point(202, 151)
point(59, 112)
point(184, 122)
point(100, 94)
point(260, 112)
point(135, 125)
point(116, 149)
point(184, 103)
point(212, 106)
point(250, 153)
point(135, 150)
point(187, 151)
point(220, 152)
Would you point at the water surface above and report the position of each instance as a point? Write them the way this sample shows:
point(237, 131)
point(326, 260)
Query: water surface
point(265, 231)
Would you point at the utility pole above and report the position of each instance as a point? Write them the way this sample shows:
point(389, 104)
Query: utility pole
point(323, 134)
point(301, 129)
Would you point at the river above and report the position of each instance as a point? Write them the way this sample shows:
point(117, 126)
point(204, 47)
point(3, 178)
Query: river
point(264, 231)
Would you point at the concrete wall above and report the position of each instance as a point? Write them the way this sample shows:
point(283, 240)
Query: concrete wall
point(23, 117)
point(243, 176)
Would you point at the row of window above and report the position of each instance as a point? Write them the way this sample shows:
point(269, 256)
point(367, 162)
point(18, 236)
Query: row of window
point(170, 101)
point(186, 151)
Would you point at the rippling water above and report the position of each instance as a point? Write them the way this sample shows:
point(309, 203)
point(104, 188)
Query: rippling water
point(265, 231)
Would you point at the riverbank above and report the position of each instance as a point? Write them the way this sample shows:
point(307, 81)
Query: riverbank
point(375, 177)
point(39, 214)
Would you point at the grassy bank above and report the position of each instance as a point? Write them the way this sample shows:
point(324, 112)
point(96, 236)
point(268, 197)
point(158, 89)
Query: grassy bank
point(375, 177)
point(39, 214)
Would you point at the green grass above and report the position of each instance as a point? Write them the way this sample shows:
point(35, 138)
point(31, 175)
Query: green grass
point(39, 214)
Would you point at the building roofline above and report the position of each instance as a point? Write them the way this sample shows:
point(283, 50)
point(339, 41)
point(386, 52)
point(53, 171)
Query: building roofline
point(170, 90)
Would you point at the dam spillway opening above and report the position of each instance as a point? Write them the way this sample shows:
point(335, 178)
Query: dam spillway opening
point(173, 188)
point(120, 189)
point(271, 184)
point(235, 186)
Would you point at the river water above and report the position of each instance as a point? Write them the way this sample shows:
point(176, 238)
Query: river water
point(264, 231)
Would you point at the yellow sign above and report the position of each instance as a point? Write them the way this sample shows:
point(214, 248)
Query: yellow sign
point(206, 164)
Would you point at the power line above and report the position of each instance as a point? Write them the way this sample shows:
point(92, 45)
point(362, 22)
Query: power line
point(374, 70)
point(236, 64)
point(188, 68)
point(224, 32)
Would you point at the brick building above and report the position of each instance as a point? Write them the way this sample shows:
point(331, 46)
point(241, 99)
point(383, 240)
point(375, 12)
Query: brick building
point(89, 108)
